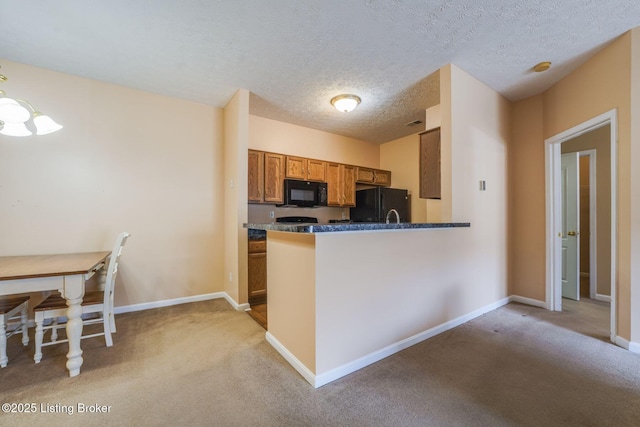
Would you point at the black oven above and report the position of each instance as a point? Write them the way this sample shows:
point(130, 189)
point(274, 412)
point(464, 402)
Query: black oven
point(304, 194)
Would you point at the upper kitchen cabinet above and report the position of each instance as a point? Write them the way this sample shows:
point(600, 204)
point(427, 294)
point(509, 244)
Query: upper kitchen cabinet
point(341, 185)
point(305, 169)
point(273, 178)
point(256, 176)
point(430, 186)
point(266, 177)
point(373, 176)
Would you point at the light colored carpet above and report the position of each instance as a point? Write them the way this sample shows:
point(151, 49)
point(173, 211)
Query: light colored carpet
point(206, 364)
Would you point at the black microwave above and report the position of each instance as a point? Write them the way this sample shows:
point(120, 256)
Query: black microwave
point(305, 194)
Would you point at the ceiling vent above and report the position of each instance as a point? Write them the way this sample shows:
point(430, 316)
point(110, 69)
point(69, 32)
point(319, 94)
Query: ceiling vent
point(414, 123)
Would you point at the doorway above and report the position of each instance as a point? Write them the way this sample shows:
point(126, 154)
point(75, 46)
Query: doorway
point(554, 211)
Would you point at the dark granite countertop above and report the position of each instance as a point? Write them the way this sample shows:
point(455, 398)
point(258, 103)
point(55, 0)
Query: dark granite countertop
point(257, 234)
point(330, 228)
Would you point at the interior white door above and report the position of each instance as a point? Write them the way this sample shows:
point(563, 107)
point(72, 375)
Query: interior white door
point(570, 226)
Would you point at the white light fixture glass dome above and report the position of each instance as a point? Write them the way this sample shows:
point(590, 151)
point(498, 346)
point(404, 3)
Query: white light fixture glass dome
point(345, 103)
point(12, 112)
point(14, 129)
point(16, 114)
point(44, 124)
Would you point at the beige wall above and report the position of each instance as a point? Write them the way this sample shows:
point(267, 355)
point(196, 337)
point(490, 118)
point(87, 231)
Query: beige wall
point(125, 160)
point(601, 84)
point(291, 274)
point(285, 138)
point(435, 276)
point(634, 176)
point(477, 145)
point(527, 200)
point(425, 282)
point(236, 124)
point(402, 158)
point(599, 140)
point(585, 215)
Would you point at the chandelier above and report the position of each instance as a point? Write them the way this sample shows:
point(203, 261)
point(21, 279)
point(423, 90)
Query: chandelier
point(15, 114)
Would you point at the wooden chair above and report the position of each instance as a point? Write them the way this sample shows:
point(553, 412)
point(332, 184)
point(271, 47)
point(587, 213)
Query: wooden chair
point(99, 303)
point(12, 309)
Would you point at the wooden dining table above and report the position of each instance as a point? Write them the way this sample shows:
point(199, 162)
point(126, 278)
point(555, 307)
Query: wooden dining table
point(67, 273)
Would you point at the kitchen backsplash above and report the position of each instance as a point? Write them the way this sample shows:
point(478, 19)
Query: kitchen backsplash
point(259, 214)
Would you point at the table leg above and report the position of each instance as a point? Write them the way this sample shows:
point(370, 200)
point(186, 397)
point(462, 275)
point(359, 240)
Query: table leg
point(73, 293)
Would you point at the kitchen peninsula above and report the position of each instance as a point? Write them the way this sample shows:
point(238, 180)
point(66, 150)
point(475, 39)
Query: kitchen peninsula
point(343, 296)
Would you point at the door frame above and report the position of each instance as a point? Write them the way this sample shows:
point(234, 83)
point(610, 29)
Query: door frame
point(554, 210)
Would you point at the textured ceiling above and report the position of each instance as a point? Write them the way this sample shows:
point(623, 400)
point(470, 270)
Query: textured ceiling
point(295, 55)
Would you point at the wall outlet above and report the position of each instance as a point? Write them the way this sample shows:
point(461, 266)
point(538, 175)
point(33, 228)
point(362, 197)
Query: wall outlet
point(344, 215)
point(230, 277)
point(272, 214)
point(483, 185)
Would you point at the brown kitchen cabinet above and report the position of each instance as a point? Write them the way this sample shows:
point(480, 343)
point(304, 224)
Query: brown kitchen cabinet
point(430, 180)
point(373, 176)
point(256, 176)
point(273, 178)
point(341, 184)
point(266, 177)
point(257, 271)
point(382, 178)
point(305, 169)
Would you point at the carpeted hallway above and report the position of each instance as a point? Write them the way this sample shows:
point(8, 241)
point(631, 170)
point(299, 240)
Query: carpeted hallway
point(207, 364)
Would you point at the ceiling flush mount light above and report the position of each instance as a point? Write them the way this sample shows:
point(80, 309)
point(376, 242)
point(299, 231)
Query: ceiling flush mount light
point(345, 103)
point(16, 113)
point(542, 66)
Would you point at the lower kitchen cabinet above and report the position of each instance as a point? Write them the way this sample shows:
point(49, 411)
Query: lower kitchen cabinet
point(257, 266)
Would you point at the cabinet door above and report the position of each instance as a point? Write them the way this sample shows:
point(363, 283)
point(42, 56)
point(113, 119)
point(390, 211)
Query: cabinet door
point(348, 185)
point(256, 176)
point(341, 185)
point(316, 170)
point(334, 190)
point(382, 178)
point(273, 178)
point(430, 186)
point(365, 175)
point(296, 167)
point(257, 277)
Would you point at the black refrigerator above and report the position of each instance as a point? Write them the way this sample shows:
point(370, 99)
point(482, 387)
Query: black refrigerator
point(373, 204)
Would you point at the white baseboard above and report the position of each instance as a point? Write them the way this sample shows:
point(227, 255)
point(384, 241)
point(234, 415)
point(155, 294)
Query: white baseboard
point(293, 361)
point(633, 347)
point(234, 304)
point(528, 301)
point(176, 301)
point(601, 297)
point(332, 375)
